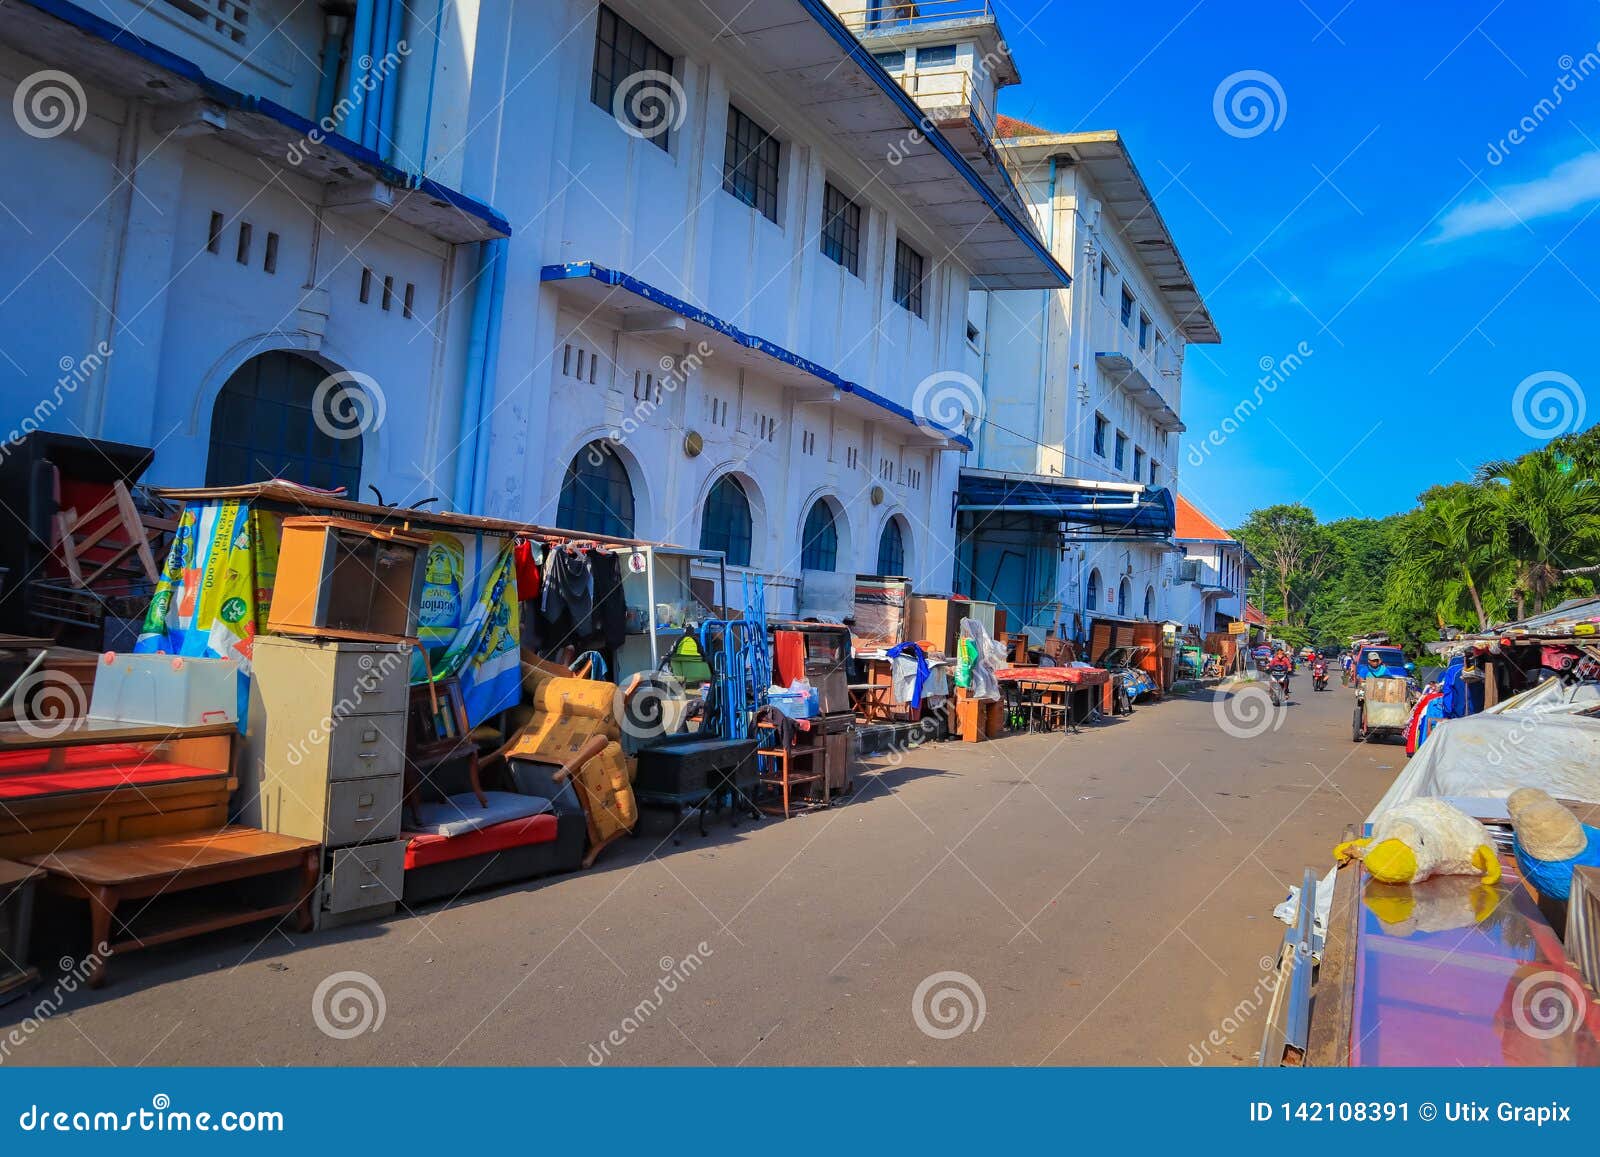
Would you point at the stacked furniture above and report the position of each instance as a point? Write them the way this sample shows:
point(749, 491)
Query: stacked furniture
point(325, 759)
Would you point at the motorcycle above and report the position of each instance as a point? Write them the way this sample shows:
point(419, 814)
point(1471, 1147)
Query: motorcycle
point(1319, 677)
point(1278, 686)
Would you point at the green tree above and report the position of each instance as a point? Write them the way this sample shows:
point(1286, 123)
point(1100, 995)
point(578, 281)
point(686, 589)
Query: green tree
point(1549, 514)
point(1296, 555)
point(1452, 556)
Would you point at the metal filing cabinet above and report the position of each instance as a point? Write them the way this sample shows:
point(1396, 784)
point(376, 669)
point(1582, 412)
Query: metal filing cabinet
point(324, 760)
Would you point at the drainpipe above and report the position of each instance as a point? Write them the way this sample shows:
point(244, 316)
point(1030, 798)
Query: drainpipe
point(473, 380)
point(371, 87)
point(391, 79)
point(360, 45)
point(334, 27)
point(491, 358)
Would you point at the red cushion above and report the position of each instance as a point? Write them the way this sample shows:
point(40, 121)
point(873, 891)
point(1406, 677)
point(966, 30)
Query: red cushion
point(30, 759)
point(67, 780)
point(426, 848)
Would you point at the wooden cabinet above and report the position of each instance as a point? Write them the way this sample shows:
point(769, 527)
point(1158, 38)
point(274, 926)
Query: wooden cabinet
point(324, 760)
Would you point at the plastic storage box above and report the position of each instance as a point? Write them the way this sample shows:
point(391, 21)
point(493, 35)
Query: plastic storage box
point(167, 690)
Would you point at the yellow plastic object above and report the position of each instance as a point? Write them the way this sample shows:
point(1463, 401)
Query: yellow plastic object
point(1422, 838)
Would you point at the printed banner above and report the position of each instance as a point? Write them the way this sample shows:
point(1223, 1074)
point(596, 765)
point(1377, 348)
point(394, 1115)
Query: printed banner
point(469, 621)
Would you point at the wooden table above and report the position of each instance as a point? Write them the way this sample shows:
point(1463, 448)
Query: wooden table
point(17, 882)
point(164, 866)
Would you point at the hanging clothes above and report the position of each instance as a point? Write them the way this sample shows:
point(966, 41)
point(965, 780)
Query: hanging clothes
point(610, 619)
point(568, 592)
point(529, 577)
point(789, 656)
point(908, 666)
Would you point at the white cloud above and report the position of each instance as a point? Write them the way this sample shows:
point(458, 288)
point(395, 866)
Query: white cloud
point(1570, 185)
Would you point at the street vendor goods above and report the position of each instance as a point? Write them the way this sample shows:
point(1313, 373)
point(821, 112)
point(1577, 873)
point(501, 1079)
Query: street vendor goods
point(1422, 838)
point(1549, 841)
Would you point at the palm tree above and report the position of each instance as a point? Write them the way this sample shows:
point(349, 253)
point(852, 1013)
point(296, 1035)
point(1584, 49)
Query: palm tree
point(1452, 548)
point(1549, 514)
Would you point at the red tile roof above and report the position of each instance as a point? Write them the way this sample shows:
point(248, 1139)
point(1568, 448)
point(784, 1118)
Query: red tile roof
point(1251, 615)
point(1005, 126)
point(1192, 524)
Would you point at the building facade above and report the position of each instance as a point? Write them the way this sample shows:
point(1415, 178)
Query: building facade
point(1066, 508)
point(1213, 575)
point(696, 273)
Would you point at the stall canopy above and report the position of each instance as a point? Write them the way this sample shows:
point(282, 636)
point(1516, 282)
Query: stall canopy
point(1120, 509)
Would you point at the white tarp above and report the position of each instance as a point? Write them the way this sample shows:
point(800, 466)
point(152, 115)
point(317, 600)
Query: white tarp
point(1491, 755)
point(1553, 694)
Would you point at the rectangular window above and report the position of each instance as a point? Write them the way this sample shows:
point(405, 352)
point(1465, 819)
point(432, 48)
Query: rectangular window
point(1144, 330)
point(229, 19)
point(1127, 308)
point(750, 164)
point(841, 228)
point(936, 55)
point(1105, 277)
point(1138, 464)
point(1100, 428)
point(621, 52)
point(1155, 473)
point(893, 61)
point(908, 265)
point(1122, 450)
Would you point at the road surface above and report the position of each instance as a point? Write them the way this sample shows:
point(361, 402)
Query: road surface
point(1102, 898)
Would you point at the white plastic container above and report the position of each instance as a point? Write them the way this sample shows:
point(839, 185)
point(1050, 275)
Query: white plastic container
point(169, 690)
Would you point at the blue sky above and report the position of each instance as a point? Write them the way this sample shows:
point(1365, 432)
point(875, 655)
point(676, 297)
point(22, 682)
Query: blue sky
point(1430, 263)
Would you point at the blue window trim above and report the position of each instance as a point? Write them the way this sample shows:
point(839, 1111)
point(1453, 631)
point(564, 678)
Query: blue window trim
point(819, 540)
point(892, 548)
point(726, 523)
point(581, 269)
point(597, 488)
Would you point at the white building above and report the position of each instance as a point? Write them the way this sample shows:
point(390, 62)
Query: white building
point(696, 273)
point(1066, 509)
point(1213, 576)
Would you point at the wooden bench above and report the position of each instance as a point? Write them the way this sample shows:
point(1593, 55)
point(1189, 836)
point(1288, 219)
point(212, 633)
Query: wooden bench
point(164, 867)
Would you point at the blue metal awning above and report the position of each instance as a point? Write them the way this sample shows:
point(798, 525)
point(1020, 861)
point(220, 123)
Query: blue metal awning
point(606, 281)
point(1107, 508)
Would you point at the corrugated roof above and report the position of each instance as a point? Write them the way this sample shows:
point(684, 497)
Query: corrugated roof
point(1005, 126)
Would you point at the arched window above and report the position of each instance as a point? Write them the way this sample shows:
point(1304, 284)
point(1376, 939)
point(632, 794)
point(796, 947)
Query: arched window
point(1093, 601)
point(892, 549)
point(1124, 596)
point(596, 494)
point(725, 523)
point(819, 541)
point(272, 420)
point(1149, 602)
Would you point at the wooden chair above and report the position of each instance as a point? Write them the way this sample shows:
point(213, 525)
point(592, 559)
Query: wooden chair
point(77, 535)
point(774, 735)
point(437, 734)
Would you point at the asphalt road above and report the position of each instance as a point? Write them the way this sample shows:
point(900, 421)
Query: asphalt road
point(1102, 898)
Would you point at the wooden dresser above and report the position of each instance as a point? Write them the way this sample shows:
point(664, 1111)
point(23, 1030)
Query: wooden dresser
point(324, 759)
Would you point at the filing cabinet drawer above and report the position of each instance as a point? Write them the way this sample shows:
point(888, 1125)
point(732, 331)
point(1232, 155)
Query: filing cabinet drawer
point(364, 746)
point(363, 810)
point(370, 681)
point(365, 877)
